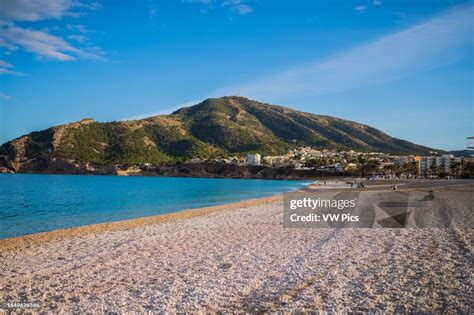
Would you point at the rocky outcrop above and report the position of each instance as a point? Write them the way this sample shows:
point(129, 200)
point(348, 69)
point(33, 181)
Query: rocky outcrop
point(208, 170)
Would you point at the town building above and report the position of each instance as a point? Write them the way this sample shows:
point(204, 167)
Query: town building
point(254, 159)
point(430, 165)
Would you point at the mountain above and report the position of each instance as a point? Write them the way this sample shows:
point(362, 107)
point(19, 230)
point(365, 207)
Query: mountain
point(465, 152)
point(217, 126)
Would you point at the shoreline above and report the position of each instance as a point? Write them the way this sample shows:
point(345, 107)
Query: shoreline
point(24, 241)
point(170, 176)
point(239, 257)
point(188, 170)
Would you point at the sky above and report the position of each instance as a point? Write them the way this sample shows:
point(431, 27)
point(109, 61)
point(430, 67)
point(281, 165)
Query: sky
point(404, 67)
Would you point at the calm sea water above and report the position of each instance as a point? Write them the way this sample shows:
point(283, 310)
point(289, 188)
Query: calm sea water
point(36, 203)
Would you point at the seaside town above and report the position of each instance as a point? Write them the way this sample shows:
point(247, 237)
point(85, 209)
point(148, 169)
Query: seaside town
point(362, 163)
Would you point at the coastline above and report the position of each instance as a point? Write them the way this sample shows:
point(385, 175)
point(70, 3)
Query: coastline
point(28, 240)
point(238, 257)
point(186, 170)
point(25, 241)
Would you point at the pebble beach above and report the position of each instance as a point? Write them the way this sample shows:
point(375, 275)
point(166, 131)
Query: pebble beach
point(237, 257)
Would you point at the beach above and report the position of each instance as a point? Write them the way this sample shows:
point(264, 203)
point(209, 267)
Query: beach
point(238, 257)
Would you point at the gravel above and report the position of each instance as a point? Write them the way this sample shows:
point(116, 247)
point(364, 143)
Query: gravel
point(244, 260)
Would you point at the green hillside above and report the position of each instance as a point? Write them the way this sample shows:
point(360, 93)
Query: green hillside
point(217, 126)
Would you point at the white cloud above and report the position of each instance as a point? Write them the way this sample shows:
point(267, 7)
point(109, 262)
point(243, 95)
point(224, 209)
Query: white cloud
point(230, 3)
point(79, 28)
point(376, 2)
point(428, 45)
point(79, 38)
point(4, 64)
point(432, 44)
point(5, 97)
point(6, 68)
point(361, 8)
point(43, 44)
point(4, 71)
point(242, 9)
point(153, 9)
point(237, 6)
point(35, 10)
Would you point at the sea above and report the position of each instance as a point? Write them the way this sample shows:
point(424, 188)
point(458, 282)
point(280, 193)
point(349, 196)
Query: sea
point(32, 203)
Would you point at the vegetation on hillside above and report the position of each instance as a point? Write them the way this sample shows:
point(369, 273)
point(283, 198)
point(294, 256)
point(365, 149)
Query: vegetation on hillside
point(216, 127)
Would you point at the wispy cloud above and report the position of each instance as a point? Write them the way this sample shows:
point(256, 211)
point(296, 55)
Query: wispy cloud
point(5, 97)
point(40, 42)
point(6, 68)
point(242, 9)
point(4, 64)
point(28, 10)
point(434, 43)
point(79, 38)
point(361, 8)
point(34, 10)
point(237, 6)
point(79, 28)
point(153, 9)
point(44, 45)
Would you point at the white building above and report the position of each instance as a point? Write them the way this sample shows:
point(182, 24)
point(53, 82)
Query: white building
point(254, 159)
point(443, 163)
point(278, 161)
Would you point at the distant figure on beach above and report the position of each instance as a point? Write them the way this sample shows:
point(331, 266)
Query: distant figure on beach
point(394, 187)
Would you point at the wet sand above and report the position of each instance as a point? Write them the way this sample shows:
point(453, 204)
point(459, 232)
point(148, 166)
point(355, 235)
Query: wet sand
point(237, 257)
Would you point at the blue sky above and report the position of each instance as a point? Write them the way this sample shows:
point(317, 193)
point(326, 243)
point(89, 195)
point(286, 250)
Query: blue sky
point(405, 67)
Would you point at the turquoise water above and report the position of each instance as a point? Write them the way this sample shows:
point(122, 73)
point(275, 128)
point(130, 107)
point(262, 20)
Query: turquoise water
point(36, 203)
